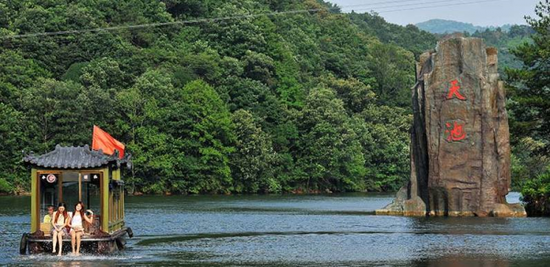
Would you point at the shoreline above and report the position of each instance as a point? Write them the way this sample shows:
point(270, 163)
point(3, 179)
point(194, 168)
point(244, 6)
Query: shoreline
point(167, 194)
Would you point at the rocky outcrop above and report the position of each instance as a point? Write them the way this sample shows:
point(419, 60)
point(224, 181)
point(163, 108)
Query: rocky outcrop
point(460, 147)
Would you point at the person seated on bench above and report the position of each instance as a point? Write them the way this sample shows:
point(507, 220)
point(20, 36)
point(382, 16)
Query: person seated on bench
point(59, 223)
point(48, 217)
point(76, 224)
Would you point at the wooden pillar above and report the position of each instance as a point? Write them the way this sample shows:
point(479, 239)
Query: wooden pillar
point(79, 186)
point(35, 206)
point(60, 188)
point(105, 201)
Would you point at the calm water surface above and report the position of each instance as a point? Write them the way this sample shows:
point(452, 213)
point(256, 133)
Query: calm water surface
point(335, 230)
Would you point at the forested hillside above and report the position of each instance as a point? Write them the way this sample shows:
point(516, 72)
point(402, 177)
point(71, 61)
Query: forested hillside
point(442, 26)
point(306, 102)
point(506, 42)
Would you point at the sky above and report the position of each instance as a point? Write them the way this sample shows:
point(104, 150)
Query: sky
point(479, 13)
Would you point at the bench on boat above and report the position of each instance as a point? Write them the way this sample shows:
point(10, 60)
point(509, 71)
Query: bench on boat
point(89, 230)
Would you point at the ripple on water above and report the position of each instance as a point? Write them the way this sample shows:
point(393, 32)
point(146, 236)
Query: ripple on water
point(82, 259)
point(305, 230)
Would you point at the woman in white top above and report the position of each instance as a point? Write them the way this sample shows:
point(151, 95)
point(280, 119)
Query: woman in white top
point(60, 221)
point(77, 226)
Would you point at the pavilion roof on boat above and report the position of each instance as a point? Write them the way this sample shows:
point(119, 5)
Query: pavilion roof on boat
point(76, 158)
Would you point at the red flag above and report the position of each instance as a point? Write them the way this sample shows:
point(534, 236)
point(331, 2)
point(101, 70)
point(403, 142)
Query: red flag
point(103, 140)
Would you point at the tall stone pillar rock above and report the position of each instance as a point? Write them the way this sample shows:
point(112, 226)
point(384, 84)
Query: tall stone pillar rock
point(460, 143)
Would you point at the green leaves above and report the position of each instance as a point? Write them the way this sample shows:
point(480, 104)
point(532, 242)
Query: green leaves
point(103, 73)
point(384, 136)
point(530, 92)
point(252, 163)
point(11, 134)
point(16, 74)
point(203, 124)
point(56, 113)
point(394, 73)
point(535, 194)
point(530, 115)
point(329, 155)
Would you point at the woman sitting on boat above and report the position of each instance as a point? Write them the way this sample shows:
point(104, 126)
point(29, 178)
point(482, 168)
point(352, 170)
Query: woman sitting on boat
point(60, 222)
point(76, 224)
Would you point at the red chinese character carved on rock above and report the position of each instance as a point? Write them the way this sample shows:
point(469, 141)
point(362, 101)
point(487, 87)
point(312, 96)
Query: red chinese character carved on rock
point(453, 91)
point(455, 131)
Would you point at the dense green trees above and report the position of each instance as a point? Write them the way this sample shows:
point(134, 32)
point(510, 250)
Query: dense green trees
point(329, 153)
point(11, 134)
point(506, 42)
point(531, 84)
point(203, 129)
point(408, 37)
point(299, 102)
point(253, 161)
point(530, 111)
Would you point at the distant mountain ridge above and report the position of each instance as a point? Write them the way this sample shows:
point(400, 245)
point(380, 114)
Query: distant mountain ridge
point(441, 26)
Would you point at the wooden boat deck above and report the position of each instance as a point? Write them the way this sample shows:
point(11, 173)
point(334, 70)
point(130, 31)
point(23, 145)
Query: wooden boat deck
point(85, 238)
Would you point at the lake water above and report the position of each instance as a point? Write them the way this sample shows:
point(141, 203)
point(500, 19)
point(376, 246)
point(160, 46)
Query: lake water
point(328, 230)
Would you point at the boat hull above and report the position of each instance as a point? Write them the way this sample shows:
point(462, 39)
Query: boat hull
point(94, 245)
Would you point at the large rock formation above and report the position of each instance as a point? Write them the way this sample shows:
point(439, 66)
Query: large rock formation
point(460, 148)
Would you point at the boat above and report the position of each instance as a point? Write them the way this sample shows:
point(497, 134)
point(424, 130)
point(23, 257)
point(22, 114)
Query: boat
point(69, 175)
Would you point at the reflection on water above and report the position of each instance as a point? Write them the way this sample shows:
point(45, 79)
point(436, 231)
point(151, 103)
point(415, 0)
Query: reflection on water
point(336, 230)
point(459, 261)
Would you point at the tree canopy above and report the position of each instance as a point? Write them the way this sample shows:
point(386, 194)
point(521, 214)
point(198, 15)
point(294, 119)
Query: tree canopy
point(260, 104)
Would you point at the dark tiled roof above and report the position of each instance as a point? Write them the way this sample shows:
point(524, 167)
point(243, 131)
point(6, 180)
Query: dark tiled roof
point(73, 158)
